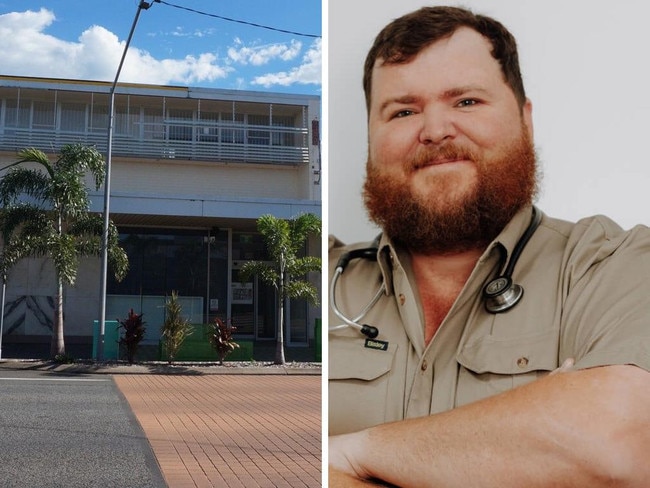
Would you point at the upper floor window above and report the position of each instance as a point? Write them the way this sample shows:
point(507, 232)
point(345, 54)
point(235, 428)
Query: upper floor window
point(180, 125)
point(43, 115)
point(73, 117)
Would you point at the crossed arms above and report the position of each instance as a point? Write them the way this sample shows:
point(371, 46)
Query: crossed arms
point(584, 428)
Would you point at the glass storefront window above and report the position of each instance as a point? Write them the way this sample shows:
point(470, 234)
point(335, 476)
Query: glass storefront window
point(204, 270)
point(163, 261)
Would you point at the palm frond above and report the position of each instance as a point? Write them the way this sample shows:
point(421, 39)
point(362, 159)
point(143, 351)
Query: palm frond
point(65, 258)
point(23, 247)
point(302, 226)
point(87, 231)
point(118, 262)
point(267, 273)
point(77, 158)
point(302, 290)
point(87, 224)
point(23, 181)
point(275, 233)
point(302, 266)
point(32, 155)
point(69, 194)
point(22, 218)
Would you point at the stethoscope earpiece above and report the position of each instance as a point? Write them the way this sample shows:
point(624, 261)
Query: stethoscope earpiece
point(501, 294)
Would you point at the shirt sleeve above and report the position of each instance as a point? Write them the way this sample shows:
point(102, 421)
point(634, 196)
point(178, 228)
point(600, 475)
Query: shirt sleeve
point(606, 316)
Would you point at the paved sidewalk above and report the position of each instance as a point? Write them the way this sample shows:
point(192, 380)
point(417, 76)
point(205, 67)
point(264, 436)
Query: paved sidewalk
point(219, 430)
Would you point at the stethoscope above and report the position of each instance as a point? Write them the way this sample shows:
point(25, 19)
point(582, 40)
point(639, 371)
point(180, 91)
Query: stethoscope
point(499, 294)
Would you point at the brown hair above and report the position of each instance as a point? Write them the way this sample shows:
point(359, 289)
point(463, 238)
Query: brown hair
point(405, 37)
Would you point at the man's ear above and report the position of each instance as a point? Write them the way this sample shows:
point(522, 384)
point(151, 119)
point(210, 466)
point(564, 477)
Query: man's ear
point(527, 117)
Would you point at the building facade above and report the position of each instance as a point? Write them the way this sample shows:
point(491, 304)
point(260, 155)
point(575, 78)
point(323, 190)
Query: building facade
point(192, 170)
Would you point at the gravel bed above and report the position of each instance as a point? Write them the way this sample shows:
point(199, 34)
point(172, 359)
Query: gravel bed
point(90, 366)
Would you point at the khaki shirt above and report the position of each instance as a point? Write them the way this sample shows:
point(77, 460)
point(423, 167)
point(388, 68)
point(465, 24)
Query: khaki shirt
point(587, 297)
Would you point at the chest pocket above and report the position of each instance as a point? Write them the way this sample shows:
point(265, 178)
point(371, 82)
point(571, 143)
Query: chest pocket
point(358, 384)
point(489, 365)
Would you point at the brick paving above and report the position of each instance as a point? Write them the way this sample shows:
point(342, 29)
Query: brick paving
point(230, 430)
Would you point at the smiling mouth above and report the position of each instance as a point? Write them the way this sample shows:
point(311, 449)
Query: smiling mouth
point(440, 162)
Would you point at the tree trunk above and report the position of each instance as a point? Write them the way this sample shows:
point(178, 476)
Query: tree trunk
point(57, 346)
point(279, 345)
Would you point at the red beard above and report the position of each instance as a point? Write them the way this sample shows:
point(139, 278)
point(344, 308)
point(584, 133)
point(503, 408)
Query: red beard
point(431, 224)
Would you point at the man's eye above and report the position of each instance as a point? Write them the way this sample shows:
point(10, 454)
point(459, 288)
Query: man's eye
point(468, 102)
point(402, 113)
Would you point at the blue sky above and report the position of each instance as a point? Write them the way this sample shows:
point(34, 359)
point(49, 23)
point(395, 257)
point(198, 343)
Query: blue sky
point(82, 39)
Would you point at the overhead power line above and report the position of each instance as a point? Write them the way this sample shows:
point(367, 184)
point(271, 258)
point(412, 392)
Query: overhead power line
point(238, 21)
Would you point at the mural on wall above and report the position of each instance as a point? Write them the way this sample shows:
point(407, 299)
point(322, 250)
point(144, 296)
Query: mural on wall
point(29, 314)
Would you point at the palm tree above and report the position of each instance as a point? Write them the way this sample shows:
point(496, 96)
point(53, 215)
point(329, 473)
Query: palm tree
point(284, 239)
point(45, 212)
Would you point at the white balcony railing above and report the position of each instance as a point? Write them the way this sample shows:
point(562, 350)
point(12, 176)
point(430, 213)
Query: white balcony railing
point(162, 148)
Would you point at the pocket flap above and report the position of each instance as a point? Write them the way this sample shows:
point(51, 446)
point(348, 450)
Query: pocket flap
point(522, 354)
point(352, 360)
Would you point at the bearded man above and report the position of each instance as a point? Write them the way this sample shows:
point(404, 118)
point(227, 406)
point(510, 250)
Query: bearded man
point(454, 378)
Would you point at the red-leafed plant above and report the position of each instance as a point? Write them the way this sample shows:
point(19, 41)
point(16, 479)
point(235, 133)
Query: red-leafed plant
point(221, 338)
point(133, 333)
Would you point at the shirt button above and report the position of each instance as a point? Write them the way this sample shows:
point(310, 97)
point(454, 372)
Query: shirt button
point(402, 299)
point(522, 362)
point(424, 365)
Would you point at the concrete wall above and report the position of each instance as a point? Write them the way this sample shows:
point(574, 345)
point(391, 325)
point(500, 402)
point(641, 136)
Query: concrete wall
point(30, 300)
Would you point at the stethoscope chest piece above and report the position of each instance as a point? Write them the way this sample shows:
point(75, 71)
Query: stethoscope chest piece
point(501, 294)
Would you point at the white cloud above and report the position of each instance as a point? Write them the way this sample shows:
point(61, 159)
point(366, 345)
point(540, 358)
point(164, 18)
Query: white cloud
point(309, 71)
point(180, 32)
point(260, 55)
point(28, 51)
point(188, 70)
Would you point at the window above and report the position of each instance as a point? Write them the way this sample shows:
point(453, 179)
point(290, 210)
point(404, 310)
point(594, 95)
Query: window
point(235, 136)
point(43, 115)
point(154, 127)
point(162, 260)
point(99, 118)
point(73, 117)
point(281, 137)
point(182, 131)
point(256, 136)
point(126, 121)
point(208, 128)
point(17, 113)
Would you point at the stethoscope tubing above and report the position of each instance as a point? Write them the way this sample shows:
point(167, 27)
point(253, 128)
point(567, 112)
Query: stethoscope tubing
point(350, 322)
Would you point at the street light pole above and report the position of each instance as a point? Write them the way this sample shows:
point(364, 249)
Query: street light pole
point(2, 316)
point(107, 188)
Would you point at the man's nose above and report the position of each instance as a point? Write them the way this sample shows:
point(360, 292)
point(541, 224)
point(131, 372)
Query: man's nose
point(437, 125)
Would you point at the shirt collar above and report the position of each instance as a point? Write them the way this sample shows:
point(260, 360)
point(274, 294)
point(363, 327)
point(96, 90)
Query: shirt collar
point(511, 234)
point(390, 255)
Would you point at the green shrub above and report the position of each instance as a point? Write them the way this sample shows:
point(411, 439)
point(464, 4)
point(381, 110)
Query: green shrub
point(175, 328)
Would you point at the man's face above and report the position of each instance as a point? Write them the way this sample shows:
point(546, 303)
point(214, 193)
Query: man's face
point(446, 134)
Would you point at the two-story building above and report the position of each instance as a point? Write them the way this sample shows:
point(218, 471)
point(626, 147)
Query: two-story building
point(192, 169)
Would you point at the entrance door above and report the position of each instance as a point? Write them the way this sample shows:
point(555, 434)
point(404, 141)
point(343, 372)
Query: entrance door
point(252, 306)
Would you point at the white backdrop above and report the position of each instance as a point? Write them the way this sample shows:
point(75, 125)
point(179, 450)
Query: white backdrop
point(586, 68)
